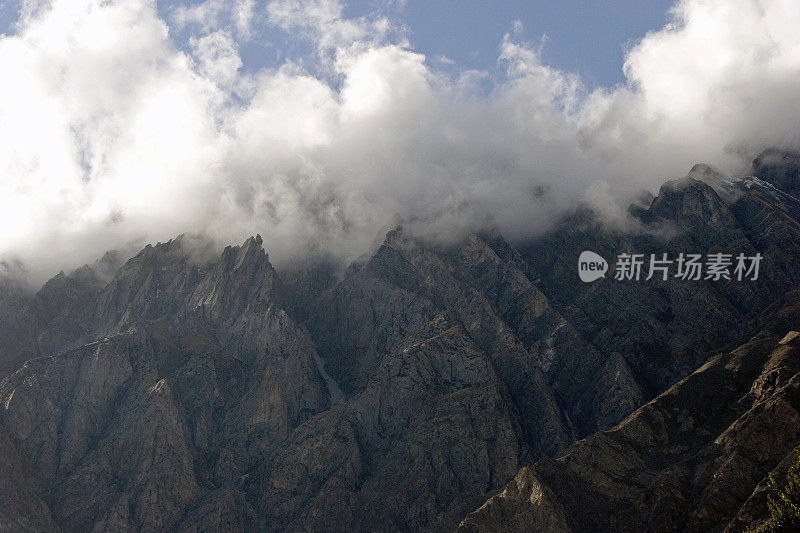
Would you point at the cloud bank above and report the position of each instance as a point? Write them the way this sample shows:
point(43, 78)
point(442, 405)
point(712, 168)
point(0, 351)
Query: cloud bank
point(111, 134)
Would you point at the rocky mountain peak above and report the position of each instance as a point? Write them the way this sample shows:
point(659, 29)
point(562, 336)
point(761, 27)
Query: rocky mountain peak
point(780, 168)
point(687, 196)
point(241, 278)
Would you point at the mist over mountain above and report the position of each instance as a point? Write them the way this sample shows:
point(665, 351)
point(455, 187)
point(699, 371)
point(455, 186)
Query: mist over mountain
point(340, 290)
point(427, 387)
point(123, 124)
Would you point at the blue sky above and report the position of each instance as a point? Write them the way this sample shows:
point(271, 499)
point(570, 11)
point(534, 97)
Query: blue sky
point(587, 38)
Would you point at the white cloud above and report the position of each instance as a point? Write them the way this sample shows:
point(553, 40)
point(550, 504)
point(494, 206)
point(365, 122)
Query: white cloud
point(207, 15)
point(109, 134)
point(322, 22)
point(243, 16)
point(210, 15)
point(217, 57)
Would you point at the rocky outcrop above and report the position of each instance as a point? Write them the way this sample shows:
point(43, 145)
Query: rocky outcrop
point(689, 459)
point(17, 327)
point(431, 432)
point(780, 168)
point(665, 329)
point(149, 423)
point(23, 509)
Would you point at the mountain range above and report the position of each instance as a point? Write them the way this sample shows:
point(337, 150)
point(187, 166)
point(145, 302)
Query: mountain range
point(477, 385)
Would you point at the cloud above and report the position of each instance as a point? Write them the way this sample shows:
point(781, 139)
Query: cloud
point(111, 135)
point(217, 58)
point(720, 79)
point(210, 15)
point(323, 23)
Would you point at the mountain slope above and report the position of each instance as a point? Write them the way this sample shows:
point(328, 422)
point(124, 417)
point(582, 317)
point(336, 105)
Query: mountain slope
point(689, 459)
point(696, 457)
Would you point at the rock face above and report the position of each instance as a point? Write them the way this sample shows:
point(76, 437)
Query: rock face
point(197, 374)
point(696, 457)
point(195, 390)
point(17, 329)
point(689, 459)
point(781, 168)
